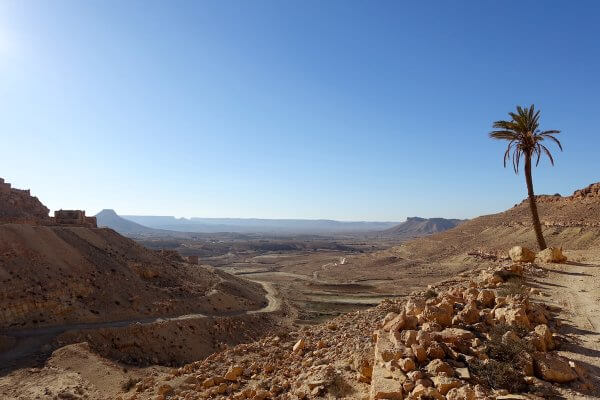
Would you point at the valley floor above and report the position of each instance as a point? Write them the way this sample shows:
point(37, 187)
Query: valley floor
point(572, 288)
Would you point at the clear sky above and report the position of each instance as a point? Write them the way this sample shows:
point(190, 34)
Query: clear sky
point(352, 110)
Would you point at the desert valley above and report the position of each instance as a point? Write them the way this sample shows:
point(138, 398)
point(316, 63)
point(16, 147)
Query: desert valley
point(89, 313)
point(299, 200)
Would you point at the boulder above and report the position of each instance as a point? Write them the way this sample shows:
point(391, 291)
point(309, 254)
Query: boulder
point(461, 393)
point(444, 383)
point(552, 255)
point(233, 373)
point(439, 314)
point(541, 338)
point(435, 351)
point(553, 368)
point(437, 366)
point(386, 384)
point(469, 314)
point(419, 352)
point(414, 306)
point(455, 335)
point(422, 392)
point(521, 254)
point(409, 337)
point(406, 364)
point(486, 297)
point(514, 315)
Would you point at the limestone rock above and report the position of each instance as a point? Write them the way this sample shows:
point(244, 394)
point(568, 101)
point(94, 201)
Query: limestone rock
point(455, 335)
point(553, 368)
point(486, 297)
point(437, 366)
point(461, 393)
point(552, 255)
point(514, 315)
point(521, 254)
point(422, 392)
point(444, 383)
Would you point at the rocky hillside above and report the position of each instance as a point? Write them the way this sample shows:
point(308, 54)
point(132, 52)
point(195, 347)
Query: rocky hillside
point(416, 227)
point(571, 221)
point(17, 205)
point(61, 275)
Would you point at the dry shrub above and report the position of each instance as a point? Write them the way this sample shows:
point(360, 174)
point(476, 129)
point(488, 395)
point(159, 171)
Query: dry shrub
point(512, 286)
point(430, 294)
point(498, 375)
point(501, 370)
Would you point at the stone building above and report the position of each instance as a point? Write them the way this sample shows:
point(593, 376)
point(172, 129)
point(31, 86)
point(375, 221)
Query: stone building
point(74, 218)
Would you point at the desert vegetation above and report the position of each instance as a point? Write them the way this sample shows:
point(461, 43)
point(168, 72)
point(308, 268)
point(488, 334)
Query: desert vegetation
point(525, 140)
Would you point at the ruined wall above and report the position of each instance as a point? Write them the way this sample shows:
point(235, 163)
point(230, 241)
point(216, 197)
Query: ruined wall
point(18, 206)
point(73, 218)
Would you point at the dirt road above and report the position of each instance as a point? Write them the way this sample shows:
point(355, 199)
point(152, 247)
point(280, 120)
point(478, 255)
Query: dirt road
point(31, 341)
point(575, 288)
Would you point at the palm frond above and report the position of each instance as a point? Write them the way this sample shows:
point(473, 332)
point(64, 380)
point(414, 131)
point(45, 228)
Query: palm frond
point(545, 149)
point(549, 136)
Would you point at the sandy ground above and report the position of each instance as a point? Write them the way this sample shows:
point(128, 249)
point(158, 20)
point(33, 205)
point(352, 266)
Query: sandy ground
point(575, 288)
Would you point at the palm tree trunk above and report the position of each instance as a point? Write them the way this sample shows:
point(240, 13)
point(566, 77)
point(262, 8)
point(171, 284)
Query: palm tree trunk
point(537, 226)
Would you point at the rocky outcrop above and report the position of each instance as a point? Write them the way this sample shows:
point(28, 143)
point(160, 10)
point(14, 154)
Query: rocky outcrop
point(19, 206)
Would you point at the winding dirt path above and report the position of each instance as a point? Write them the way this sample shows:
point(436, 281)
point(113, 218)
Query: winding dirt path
point(575, 288)
point(31, 341)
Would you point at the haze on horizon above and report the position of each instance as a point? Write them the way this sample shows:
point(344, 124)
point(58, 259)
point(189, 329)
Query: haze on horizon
point(266, 109)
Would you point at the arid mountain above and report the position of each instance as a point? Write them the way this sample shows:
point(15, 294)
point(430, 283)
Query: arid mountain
point(416, 227)
point(109, 218)
point(257, 225)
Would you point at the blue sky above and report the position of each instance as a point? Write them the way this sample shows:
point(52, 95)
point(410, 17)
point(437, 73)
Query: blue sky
point(348, 110)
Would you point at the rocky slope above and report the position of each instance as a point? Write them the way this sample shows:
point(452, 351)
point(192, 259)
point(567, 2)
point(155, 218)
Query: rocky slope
point(17, 205)
point(64, 275)
point(61, 275)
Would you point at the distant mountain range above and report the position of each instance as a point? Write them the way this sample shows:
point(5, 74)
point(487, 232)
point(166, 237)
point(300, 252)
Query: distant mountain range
point(416, 226)
point(136, 225)
point(257, 225)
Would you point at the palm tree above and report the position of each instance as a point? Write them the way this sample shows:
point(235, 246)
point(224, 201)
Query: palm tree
point(525, 140)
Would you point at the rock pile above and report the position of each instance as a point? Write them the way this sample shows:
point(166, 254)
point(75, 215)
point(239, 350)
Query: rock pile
point(467, 343)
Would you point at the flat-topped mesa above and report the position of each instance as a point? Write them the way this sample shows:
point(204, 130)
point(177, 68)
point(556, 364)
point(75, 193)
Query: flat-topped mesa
point(19, 206)
point(73, 218)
